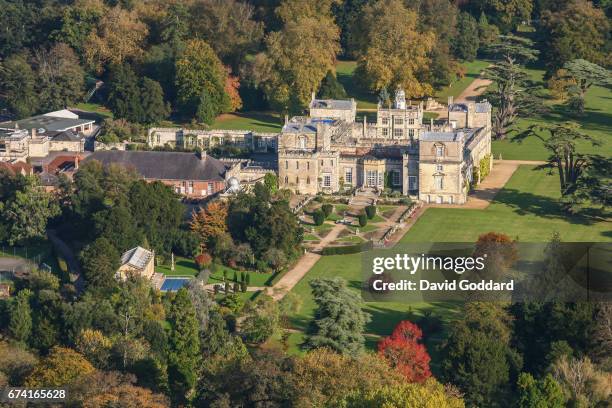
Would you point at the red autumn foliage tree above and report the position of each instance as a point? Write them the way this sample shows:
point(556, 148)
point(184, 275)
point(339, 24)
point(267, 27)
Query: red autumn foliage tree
point(403, 352)
point(203, 260)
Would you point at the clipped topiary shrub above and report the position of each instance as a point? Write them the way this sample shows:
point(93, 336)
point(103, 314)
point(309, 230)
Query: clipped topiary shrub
point(363, 220)
point(318, 217)
point(370, 211)
point(327, 209)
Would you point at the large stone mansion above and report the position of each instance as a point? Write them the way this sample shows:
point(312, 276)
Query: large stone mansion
point(329, 151)
point(325, 152)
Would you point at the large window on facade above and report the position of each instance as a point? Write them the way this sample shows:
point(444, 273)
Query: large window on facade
point(398, 132)
point(439, 182)
point(411, 121)
point(302, 142)
point(371, 178)
point(348, 175)
point(399, 121)
point(385, 121)
point(439, 151)
point(411, 133)
point(385, 132)
point(395, 178)
point(326, 180)
point(412, 183)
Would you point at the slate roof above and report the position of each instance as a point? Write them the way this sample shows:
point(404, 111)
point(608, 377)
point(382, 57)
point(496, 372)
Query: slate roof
point(332, 104)
point(67, 136)
point(165, 165)
point(137, 257)
point(441, 136)
point(49, 123)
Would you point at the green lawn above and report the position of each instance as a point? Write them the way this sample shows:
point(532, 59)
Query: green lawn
point(473, 70)
point(257, 121)
point(95, 107)
point(597, 122)
point(344, 73)
point(385, 315)
point(182, 267)
point(527, 208)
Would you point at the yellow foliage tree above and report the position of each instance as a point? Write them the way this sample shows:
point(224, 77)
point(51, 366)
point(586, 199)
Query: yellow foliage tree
point(119, 35)
point(395, 54)
point(210, 222)
point(60, 368)
point(297, 58)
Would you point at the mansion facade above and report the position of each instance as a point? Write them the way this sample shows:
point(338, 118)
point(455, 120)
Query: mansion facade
point(329, 150)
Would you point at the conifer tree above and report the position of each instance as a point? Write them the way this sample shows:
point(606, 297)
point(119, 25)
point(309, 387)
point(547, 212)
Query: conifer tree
point(184, 356)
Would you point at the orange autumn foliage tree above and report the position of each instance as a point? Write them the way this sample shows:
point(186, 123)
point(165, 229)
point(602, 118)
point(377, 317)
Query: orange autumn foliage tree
point(232, 84)
point(209, 223)
point(403, 352)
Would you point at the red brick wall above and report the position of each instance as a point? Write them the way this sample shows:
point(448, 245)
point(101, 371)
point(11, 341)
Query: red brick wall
point(199, 188)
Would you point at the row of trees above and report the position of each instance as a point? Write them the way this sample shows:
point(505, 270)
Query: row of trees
point(197, 55)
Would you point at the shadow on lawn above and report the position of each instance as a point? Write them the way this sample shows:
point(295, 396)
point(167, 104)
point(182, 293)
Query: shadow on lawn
point(592, 119)
point(523, 203)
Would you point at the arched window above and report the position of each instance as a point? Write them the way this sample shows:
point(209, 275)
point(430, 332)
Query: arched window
point(286, 179)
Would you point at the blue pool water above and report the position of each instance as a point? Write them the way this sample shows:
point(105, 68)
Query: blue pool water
point(174, 284)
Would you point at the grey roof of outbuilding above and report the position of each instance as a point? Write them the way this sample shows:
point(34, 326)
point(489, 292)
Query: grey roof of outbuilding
point(49, 123)
point(441, 136)
point(165, 165)
point(299, 128)
point(66, 136)
point(332, 104)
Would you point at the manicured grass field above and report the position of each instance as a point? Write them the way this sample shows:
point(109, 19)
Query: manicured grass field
point(527, 208)
point(257, 121)
point(385, 315)
point(95, 107)
point(344, 73)
point(182, 267)
point(596, 122)
point(473, 70)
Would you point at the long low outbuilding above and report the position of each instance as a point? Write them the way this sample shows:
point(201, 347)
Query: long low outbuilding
point(194, 175)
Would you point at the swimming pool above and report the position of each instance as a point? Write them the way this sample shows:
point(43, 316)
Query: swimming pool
point(174, 284)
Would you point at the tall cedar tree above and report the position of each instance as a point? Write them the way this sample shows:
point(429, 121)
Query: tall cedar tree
point(581, 176)
point(513, 94)
point(339, 321)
